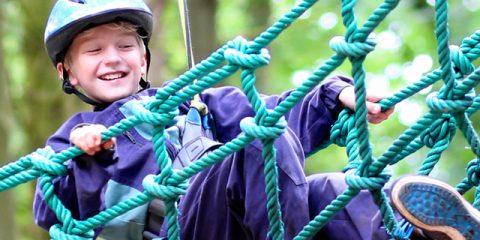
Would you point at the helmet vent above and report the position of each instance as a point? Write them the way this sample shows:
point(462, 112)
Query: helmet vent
point(78, 1)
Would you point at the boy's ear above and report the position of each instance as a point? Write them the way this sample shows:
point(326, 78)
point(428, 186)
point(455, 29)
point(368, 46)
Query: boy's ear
point(60, 70)
point(144, 64)
point(61, 67)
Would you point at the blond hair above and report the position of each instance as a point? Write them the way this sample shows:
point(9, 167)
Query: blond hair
point(123, 26)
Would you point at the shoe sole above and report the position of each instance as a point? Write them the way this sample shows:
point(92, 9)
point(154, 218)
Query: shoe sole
point(435, 207)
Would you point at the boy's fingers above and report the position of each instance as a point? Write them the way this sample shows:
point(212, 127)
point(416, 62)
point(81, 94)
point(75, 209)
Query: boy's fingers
point(90, 141)
point(89, 138)
point(85, 148)
point(97, 139)
point(109, 144)
point(375, 96)
point(374, 120)
point(373, 108)
point(389, 111)
point(91, 152)
point(93, 149)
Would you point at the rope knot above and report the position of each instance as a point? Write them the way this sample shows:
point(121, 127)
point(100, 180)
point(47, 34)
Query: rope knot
point(344, 125)
point(370, 183)
point(42, 160)
point(152, 187)
point(352, 49)
point(442, 129)
point(237, 54)
point(462, 64)
point(250, 128)
point(437, 104)
point(156, 119)
point(56, 233)
point(473, 172)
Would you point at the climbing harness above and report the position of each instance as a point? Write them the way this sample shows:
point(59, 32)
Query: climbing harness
point(196, 140)
point(196, 136)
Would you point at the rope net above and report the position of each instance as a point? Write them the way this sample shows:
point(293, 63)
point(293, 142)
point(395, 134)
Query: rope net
point(450, 109)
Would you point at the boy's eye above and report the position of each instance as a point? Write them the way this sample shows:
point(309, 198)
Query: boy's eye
point(126, 46)
point(93, 50)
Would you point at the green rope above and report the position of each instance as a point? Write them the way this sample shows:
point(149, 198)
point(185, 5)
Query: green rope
point(450, 108)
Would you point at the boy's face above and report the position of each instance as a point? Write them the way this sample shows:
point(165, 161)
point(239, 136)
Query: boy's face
point(106, 63)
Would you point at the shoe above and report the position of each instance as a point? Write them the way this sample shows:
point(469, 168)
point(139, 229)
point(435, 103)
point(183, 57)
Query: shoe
point(436, 208)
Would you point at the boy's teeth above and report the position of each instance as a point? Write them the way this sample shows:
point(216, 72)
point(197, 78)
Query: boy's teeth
point(112, 76)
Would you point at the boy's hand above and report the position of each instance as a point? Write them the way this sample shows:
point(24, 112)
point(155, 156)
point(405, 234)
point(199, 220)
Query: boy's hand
point(375, 114)
point(89, 139)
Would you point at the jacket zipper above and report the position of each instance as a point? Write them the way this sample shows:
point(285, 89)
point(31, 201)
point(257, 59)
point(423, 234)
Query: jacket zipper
point(130, 137)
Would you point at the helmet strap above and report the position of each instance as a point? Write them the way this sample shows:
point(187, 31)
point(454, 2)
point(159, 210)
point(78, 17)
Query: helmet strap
point(144, 84)
point(68, 88)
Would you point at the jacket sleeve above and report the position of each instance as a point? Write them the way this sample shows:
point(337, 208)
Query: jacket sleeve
point(73, 187)
point(44, 216)
point(312, 118)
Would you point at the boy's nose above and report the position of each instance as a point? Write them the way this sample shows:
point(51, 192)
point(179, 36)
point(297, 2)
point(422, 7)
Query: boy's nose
point(112, 56)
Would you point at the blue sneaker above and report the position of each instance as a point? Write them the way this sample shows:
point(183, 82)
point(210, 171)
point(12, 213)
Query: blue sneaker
point(436, 208)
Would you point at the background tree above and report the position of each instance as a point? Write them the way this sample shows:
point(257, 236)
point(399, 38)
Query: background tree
point(43, 106)
point(39, 106)
point(7, 208)
point(203, 27)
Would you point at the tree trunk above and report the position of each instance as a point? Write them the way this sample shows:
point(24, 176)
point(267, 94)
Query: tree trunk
point(7, 206)
point(202, 27)
point(259, 15)
point(43, 106)
point(158, 56)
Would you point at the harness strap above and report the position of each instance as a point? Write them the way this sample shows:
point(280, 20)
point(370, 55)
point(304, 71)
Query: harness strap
point(194, 150)
point(196, 140)
point(155, 217)
point(183, 7)
point(187, 37)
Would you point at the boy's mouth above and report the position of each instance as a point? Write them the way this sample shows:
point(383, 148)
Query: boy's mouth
point(112, 76)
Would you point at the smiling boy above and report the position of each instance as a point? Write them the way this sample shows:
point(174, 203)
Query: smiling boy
point(100, 50)
point(106, 62)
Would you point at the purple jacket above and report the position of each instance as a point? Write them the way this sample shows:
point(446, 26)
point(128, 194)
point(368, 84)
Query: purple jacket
point(96, 183)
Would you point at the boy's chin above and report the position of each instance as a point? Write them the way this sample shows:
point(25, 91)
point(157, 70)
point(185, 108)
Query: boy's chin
point(115, 97)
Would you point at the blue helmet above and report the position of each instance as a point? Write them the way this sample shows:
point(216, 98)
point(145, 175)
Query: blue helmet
point(70, 17)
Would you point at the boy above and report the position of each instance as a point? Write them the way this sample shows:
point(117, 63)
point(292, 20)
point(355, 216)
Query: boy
point(100, 50)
